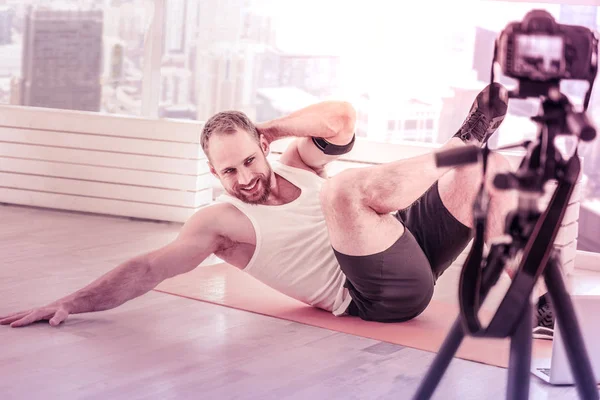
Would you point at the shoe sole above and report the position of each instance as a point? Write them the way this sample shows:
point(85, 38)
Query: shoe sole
point(541, 332)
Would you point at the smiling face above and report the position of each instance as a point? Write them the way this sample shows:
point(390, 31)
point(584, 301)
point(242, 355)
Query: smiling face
point(240, 163)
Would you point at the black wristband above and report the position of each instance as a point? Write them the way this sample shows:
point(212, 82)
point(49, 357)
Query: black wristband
point(333, 149)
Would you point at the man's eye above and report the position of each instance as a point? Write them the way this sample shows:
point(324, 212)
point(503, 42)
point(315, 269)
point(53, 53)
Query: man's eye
point(249, 161)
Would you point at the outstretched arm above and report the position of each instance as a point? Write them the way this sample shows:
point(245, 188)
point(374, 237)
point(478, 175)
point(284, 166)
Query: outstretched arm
point(197, 240)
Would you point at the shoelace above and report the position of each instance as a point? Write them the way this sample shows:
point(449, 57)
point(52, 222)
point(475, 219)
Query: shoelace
point(476, 125)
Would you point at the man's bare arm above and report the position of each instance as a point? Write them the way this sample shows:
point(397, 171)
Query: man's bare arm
point(331, 120)
point(198, 239)
point(327, 122)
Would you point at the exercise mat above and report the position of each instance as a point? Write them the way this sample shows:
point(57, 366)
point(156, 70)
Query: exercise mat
point(226, 285)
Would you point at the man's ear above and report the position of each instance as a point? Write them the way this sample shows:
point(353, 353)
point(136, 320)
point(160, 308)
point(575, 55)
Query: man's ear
point(212, 169)
point(264, 145)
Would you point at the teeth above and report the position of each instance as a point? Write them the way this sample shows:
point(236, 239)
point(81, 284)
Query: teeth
point(252, 187)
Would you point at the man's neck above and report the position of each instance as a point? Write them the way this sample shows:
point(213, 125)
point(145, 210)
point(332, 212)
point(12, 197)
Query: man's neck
point(282, 191)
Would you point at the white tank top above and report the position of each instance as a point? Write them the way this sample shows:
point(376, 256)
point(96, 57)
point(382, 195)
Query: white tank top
point(293, 253)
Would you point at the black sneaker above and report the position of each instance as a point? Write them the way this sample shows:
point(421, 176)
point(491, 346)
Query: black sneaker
point(544, 328)
point(486, 114)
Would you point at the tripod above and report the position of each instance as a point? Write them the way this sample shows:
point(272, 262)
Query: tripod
point(533, 233)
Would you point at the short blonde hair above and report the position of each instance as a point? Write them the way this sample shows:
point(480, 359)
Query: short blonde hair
point(227, 122)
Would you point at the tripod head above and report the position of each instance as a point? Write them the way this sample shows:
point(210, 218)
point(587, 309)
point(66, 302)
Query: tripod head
point(560, 131)
point(539, 53)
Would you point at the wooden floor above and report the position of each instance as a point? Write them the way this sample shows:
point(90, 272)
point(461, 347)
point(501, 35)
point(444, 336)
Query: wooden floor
point(160, 346)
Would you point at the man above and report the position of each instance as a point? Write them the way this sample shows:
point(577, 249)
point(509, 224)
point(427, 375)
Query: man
point(368, 242)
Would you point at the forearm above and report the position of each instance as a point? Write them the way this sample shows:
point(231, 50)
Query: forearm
point(129, 280)
point(330, 120)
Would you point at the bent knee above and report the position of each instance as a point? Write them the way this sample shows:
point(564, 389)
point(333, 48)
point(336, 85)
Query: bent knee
point(342, 190)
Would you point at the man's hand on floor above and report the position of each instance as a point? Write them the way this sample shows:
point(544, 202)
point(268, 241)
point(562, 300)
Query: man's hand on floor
point(55, 313)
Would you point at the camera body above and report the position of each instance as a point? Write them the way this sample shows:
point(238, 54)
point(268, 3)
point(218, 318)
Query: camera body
point(539, 49)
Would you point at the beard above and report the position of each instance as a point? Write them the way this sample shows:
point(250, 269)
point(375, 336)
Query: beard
point(261, 192)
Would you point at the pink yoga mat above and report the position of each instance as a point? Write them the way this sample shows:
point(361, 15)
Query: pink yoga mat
point(226, 285)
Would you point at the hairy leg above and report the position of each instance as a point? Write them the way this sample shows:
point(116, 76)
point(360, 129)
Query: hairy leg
point(458, 189)
point(358, 202)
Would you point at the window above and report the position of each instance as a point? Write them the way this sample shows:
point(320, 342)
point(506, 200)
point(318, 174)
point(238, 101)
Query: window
point(407, 61)
point(77, 55)
point(411, 73)
point(410, 124)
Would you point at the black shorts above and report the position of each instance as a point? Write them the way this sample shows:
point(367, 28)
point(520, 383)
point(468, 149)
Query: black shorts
point(397, 284)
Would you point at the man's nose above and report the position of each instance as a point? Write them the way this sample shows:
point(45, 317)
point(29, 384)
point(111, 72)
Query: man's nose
point(245, 177)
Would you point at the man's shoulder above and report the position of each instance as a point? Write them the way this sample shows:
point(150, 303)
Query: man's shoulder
point(222, 212)
point(227, 220)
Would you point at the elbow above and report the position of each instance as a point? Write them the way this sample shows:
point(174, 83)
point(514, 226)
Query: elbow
point(146, 269)
point(345, 122)
point(349, 115)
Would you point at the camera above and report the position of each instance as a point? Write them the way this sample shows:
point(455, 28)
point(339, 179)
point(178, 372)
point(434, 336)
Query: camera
point(539, 53)
point(542, 50)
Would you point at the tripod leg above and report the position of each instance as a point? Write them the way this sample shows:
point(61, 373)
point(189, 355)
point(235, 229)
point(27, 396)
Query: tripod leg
point(441, 362)
point(456, 335)
point(574, 345)
point(520, 358)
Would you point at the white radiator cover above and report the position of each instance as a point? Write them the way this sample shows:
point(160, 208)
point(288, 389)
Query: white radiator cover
point(105, 164)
